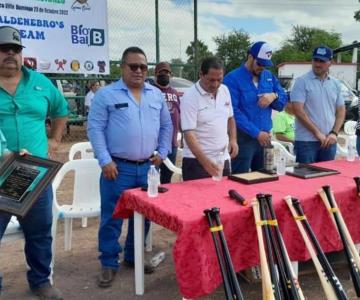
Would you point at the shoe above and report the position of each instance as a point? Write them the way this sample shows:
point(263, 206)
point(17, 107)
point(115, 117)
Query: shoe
point(106, 277)
point(148, 269)
point(47, 292)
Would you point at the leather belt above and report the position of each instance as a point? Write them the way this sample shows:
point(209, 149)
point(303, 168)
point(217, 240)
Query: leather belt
point(135, 162)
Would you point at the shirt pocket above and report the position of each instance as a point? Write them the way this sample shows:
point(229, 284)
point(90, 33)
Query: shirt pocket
point(205, 114)
point(155, 109)
point(119, 111)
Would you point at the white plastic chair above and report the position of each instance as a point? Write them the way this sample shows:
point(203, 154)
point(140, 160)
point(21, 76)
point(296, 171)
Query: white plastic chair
point(84, 148)
point(290, 158)
point(86, 152)
point(86, 195)
point(13, 231)
point(350, 127)
point(350, 135)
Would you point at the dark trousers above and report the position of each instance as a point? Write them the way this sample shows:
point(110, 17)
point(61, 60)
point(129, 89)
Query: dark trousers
point(165, 173)
point(251, 154)
point(36, 226)
point(192, 169)
point(310, 152)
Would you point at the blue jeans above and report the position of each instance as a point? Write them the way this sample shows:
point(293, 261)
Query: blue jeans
point(130, 176)
point(165, 173)
point(310, 152)
point(251, 154)
point(36, 226)
point(358, 144)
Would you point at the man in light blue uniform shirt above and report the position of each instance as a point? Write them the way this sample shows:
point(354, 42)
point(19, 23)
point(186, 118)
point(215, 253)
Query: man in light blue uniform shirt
point(319, 109)
point(128, 121)
point(255, 92)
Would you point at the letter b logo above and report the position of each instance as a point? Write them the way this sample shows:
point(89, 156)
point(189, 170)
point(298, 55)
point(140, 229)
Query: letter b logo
point(97, 37)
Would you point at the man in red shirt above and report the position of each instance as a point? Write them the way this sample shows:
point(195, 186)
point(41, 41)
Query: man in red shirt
point(162, 81)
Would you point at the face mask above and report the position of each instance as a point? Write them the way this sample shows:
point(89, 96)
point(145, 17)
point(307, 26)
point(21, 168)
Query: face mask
point(163, 79)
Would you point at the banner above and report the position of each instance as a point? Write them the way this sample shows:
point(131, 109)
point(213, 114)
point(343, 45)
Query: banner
point(61, 36)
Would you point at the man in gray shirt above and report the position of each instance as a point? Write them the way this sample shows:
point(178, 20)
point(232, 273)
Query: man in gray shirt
point(319, 109)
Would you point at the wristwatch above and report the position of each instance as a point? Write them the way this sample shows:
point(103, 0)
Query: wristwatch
point(333, 132)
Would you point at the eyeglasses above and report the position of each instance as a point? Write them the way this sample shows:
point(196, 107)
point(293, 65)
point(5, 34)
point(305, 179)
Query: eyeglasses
point(135, 67)
point(7, 47)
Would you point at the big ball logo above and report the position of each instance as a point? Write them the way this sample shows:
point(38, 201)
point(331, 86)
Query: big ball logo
point(87, 36)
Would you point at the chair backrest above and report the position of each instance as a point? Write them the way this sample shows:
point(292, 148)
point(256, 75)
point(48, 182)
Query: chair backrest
point(290, 158)
point(86, 180)
point(167, 162)
point(350, 127)
point(84, 148)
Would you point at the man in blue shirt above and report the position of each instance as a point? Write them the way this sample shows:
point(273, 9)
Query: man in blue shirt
point(255, 92)
point(319, 109)
point(128, 121)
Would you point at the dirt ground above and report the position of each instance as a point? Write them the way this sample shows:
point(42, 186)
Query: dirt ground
point(76, 270)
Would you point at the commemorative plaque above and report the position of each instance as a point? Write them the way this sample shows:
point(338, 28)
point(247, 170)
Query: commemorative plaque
point(306, 171)
point(22, 179)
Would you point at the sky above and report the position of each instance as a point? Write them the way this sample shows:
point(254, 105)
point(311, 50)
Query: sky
point(132, 22)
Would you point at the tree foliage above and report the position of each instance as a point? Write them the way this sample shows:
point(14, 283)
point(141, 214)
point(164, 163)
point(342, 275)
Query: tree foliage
point(191, 66)
point(232, 48)
point(357, 15)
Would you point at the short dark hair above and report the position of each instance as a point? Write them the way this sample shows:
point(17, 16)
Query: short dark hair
point(93, 82)
point(131, 50)
point(211, 63)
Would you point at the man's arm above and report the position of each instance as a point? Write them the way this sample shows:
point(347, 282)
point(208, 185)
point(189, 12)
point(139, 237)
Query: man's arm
point(57, 129)
point(283, 137)
point(331, 138)
point(193, 144)
point(233, 146)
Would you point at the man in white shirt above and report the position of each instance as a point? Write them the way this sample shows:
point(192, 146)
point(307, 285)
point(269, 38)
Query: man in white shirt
point(94, 86)
point(208, 123)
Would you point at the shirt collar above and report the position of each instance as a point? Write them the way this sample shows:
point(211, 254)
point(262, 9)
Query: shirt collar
point(120, 85)
point(201, 91)
point(313, 76)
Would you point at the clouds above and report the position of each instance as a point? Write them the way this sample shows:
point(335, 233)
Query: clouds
point(132, 22)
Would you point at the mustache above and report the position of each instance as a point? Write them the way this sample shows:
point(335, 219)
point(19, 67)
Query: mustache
point(10, 59)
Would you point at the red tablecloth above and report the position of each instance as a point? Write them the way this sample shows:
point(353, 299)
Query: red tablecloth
point(181, 210)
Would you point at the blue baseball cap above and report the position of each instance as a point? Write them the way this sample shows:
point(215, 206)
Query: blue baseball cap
point(262, 52)
point(323, 53)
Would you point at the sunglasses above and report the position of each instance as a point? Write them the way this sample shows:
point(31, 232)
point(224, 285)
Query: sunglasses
point(135, 67)
point(7, 47)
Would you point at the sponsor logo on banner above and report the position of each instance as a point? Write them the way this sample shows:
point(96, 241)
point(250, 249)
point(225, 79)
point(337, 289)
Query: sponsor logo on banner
point(75, 65)
point(60, 63)
point(81, 5)
point(101, 64)
point(88, 65)
point(30, 62)
point(87, 36)
point(44, 65)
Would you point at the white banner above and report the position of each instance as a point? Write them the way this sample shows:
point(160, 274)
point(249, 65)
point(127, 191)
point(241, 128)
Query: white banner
point(61, 36)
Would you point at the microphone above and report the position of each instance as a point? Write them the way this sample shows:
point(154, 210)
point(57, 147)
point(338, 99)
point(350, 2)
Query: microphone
point(237, 197)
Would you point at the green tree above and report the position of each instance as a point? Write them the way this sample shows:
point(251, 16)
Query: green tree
point(191, 67)
point(115, 70)
point(232, 48)
point(177, 66)
point(357, 15)
point(299, 46)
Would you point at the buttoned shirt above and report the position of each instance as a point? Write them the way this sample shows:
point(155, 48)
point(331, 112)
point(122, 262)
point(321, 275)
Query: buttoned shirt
point(22, 115)
point(122, 127)
point(249, 116)
point(208, 117)
point(320, 98)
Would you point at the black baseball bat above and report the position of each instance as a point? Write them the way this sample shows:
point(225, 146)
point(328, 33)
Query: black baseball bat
point(357, 182)
point(237, 197)
point(291, 287)
point(334, 281)
point(354, 271)
point(269, 248)
point(227, 288)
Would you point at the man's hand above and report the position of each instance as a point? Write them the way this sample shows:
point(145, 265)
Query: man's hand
point(330, 139)
point(211, 167)
point(110, 171)
point(321, 137)
point(266, 99)
point(52, 147)
point(233, 149)
point(156, 160)
point(264, 138)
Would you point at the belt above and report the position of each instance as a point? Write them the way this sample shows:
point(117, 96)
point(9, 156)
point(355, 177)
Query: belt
point(135, 162)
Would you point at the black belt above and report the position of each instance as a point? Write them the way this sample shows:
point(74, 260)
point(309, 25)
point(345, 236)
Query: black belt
point(135, 162)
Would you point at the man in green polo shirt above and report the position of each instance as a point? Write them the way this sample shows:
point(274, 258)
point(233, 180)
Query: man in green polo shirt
point(27, 98)
point(284, 125)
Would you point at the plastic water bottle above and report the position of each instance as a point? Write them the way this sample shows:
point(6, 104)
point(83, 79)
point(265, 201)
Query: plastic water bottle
point(153, 182)
point(351, 149)
point(281, 164)
point(220, 164)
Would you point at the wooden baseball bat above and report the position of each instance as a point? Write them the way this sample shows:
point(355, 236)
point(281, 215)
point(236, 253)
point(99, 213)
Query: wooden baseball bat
point(267, 288)
point(271, 251)
point(357, 182)
point(292, 285)
point(334, 212)
point(334, 281)
point(327, 287)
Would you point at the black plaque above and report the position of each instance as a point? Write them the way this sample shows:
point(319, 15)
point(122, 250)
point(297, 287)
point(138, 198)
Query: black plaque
point(306, 171)
point(22, 179)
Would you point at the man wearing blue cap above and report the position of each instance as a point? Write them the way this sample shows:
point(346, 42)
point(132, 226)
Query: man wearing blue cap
point(319, 109)
point(255, 92)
